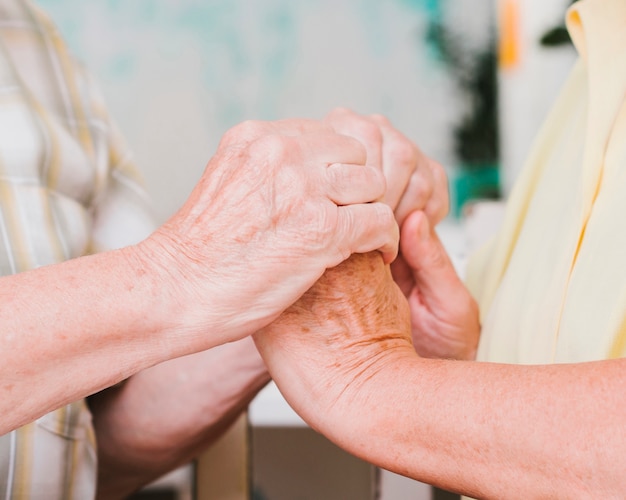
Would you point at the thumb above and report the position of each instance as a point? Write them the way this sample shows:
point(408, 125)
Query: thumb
point(432, 269)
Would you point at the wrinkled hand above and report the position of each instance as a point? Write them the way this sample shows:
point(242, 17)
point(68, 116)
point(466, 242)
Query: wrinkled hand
point(352, 324)
point(278, 204)
point(414, 181)
point(444, 316)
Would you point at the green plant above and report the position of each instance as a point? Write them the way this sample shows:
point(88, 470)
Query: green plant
point(476, 140)
point(476, 134)
point(557, 36)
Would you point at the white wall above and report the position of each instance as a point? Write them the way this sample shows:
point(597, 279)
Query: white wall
point(178, 73)
point(529, 86)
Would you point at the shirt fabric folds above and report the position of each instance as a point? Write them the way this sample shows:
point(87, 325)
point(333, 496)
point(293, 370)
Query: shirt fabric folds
point(552, 285)
point(67, 188)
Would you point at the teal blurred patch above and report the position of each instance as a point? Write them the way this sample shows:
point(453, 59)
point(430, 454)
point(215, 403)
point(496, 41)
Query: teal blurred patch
point(115, 4)
point(475, 182)
point(279, 23)
point(432, 7)
point(122, 65)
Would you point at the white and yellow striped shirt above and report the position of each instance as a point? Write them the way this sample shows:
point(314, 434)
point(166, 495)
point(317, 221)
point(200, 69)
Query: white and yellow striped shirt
point(67, 188)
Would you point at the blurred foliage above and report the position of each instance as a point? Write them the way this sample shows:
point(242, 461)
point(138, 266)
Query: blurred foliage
point(476, 140)
point(557, 36)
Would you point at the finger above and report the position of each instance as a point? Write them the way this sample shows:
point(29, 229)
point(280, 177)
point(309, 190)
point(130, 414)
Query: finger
point(432, 269)
point(308, 151)
point(438, 204)
point(417, 194)
point(349, 123)
point(367, 227)
point(399, 160)
point(402, 275)
point(349, 184)
point(427, 192)
point(250, 130)
point(331, 148)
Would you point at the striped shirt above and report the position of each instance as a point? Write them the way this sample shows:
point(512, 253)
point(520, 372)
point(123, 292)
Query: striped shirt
point(67, 188)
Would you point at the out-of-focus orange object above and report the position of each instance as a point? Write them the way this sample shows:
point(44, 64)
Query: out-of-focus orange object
point(510, 44)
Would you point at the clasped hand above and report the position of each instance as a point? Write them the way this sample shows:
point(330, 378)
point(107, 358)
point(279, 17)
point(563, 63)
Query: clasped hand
point(356, 322)
point(278, 204)
point(444, 317)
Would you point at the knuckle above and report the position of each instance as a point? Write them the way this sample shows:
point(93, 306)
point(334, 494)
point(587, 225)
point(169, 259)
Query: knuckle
point(356, 179)
point(243, 132)
point(380, 119)
point(326, 223)
point(340, 111)
point(337, 177)
point(421, 188)
point(439, 173)
point(385, 215)
point(229, 138)
point(251, 128)
point(351, 123)
point(275, 148)
point(403, 154)
point(380, 181)
point(367, 131)
point(339, 233)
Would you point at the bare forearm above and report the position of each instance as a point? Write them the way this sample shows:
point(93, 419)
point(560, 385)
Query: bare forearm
point(343, 358)
point(72, 329)
point(164, 416)
point(495, 431)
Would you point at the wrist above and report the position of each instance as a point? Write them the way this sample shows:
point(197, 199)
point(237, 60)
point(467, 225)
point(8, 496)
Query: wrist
point(362, 422)
point(157, 310)
point(182, 315)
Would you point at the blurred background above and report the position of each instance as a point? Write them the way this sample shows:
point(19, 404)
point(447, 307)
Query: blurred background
point(178, 73)
point(468, 81)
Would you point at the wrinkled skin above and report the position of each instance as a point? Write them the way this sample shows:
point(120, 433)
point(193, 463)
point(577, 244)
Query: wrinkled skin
point(278, 204)
point(444, 316)
point(414, 181)
point(344, 330)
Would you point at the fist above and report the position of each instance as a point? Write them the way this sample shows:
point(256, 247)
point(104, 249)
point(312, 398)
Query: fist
point(414, 181)
point(278, 204)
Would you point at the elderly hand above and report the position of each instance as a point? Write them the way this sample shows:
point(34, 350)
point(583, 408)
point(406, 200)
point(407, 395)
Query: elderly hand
point(414, 181)
point(278, 204)
point(444, 316)
point(352, 324)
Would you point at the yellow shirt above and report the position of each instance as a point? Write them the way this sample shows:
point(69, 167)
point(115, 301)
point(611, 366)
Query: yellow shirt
point(67, 188)
point(552, 285)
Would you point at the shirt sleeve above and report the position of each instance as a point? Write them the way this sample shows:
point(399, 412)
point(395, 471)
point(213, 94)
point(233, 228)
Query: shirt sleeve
point(122, 212)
